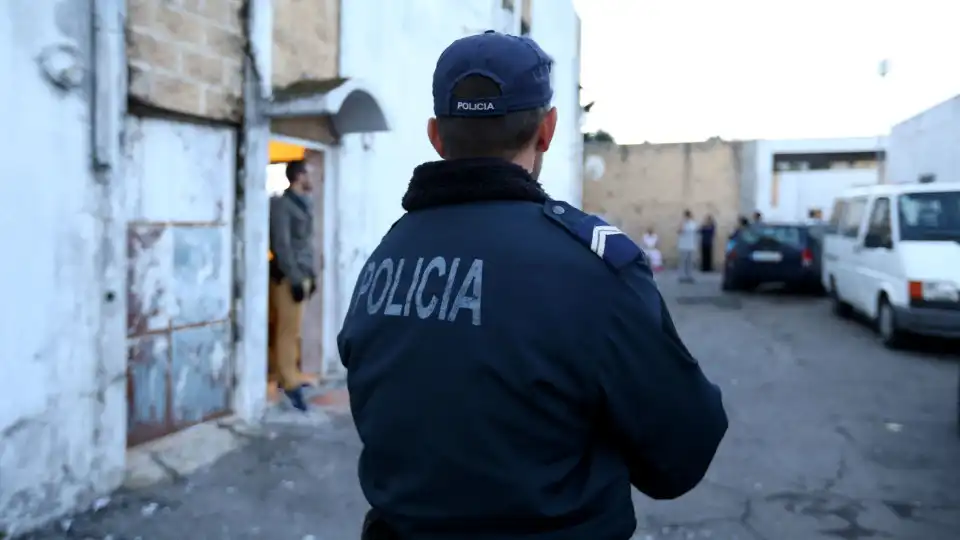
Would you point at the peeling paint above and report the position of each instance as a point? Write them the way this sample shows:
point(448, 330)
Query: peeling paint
point(180, 284)
point(58, 433)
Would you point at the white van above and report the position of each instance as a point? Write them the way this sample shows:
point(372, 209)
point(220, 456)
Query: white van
point(892, 252)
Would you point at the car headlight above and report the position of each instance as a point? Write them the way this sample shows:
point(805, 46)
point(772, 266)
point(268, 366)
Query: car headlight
point(936, 291)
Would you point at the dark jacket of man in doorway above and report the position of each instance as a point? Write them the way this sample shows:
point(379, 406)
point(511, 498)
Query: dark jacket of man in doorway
point(512, 367)
point(292, 276)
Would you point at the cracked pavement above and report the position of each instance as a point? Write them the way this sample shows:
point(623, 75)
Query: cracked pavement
point(831, 437)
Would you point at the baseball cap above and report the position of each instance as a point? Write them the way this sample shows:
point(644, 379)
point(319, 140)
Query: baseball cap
point(517, 64)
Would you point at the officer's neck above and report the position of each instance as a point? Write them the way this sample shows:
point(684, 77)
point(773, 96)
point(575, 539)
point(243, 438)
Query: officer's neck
point(527, 160)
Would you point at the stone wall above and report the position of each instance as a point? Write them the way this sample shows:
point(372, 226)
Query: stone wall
point(637, 187)
point(186, 56)
point(306, 40)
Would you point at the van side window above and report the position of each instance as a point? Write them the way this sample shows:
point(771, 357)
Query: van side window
point(880, 218)
point(833, 226)
point(852, 216)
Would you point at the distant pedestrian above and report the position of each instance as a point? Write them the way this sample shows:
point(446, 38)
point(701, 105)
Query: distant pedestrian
point(708, 231)
point(742, 224)
point(814, 217)
point(687, 246)
point(757, 217)
point(650, 240)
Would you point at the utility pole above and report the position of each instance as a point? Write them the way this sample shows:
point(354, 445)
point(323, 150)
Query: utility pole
point(883, 70)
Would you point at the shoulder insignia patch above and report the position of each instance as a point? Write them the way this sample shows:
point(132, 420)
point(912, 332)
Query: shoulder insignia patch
point(606, 241)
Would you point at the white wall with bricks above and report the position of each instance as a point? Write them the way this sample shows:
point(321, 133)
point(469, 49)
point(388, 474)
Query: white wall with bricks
point(186, 56)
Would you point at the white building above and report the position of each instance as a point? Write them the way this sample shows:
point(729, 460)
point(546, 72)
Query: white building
point(927, 146)
point(784, 179)
point(134, 212)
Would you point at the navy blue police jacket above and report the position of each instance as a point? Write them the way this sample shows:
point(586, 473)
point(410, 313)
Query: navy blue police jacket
point(513, 370)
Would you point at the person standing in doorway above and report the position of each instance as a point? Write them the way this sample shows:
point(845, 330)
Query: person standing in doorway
point(687, 245)
point(292, 276)
point(708, 231)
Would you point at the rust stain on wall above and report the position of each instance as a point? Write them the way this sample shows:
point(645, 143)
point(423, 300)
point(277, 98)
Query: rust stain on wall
point(179, 371)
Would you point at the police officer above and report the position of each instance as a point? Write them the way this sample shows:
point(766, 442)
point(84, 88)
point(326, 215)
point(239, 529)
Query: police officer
point(511, 365)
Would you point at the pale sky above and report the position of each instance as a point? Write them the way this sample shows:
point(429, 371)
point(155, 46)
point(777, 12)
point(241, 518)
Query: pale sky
point(688, 70)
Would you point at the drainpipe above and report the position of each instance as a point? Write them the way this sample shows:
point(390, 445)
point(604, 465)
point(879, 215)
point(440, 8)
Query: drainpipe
point(252, 219)
point(108, 109)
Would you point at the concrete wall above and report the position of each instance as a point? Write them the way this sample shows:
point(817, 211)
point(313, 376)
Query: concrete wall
point(749, 178)
point(927, 143)
point(558, 32)
point(393, 47)
point(62, 414)
point(187, 56)
point(637, 187)
point(306, 39)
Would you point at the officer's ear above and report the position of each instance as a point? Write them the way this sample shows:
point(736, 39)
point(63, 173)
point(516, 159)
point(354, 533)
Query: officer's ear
point(434, 135)
point(547, 128)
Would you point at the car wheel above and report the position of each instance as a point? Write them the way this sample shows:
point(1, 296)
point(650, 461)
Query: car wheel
point(840, 308)
point(886, 324)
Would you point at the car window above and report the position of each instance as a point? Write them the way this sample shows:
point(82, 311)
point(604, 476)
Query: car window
point(833, 226)
point(852, 216)
point(791, 236)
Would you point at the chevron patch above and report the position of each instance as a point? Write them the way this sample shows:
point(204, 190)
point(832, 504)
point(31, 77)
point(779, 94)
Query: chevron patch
point(608, 242)
point(598, 242)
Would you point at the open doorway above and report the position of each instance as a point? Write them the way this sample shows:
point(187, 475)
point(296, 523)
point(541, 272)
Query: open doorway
point(310, 341)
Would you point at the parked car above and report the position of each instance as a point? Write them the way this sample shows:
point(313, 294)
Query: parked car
point(772, 253)
point(892, 254)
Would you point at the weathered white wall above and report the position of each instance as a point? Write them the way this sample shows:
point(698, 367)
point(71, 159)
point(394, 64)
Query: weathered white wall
point(556, 27)
point(765, 149)
point(928, 143)
point(62, 414)
point(393, 46)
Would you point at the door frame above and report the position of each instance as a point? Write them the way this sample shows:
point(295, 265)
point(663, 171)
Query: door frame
point(329, 274)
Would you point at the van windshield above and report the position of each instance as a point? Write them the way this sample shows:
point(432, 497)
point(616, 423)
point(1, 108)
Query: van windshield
point(930, 216)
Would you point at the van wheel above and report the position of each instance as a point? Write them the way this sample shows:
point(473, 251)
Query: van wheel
point(840, 308)
point(886, 324)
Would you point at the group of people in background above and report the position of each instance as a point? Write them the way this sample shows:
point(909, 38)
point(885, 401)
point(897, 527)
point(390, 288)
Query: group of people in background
point(692, 236)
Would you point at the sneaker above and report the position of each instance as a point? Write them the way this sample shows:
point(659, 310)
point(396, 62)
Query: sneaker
point(296, 398)
point(305, 385)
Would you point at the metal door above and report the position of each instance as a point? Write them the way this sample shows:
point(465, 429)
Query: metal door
point(181, 190)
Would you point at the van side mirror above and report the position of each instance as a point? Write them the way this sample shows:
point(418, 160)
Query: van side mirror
point(877, 240)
